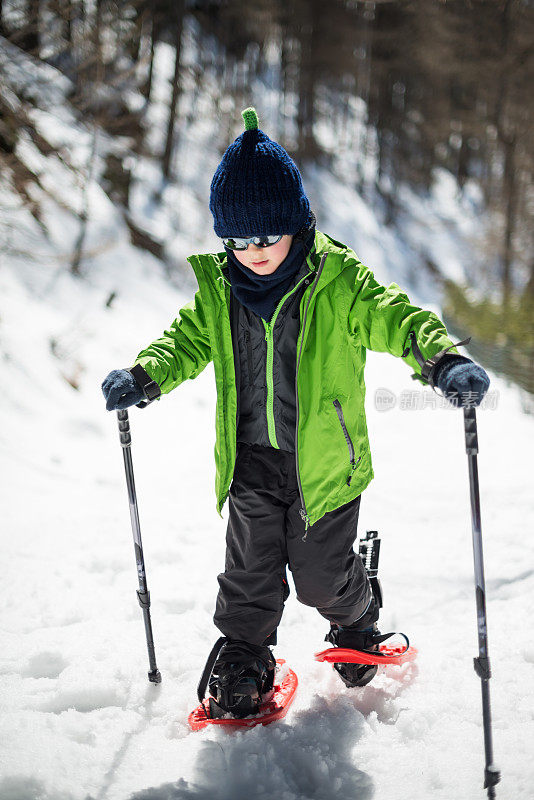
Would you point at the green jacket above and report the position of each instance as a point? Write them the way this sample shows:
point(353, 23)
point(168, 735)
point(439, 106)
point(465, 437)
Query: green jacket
point(343, 312)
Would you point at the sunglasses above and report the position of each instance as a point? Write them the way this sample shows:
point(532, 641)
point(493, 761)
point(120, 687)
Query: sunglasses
point(240, 243)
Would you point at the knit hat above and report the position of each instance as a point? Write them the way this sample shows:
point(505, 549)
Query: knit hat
point(257, 188)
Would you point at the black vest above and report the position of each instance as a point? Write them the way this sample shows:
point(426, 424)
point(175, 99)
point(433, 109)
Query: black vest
point(250, 354)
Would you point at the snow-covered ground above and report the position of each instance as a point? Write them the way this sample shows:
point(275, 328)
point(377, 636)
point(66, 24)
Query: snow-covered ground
point(80, 719)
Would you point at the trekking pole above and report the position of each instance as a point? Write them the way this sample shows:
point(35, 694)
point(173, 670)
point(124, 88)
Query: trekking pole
point(143, 595)
point(492, 775)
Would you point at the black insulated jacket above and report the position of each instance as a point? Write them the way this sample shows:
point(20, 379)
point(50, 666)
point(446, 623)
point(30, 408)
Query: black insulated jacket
point(254, 371)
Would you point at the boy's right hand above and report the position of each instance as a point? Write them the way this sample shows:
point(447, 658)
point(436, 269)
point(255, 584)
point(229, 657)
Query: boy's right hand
point(121, 390)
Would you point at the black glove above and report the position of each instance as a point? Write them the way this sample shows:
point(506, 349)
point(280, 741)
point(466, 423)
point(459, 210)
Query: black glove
point(121, 390)
point(461, 380)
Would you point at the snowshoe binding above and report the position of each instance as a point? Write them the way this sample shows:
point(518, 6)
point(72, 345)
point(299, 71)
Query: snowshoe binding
point(356, 655)
point(241, 679)
point(367, 640)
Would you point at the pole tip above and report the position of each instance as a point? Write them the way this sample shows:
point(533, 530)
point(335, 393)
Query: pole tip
point(154, 676)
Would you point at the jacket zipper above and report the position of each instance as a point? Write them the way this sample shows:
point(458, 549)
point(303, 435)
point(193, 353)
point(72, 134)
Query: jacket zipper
point(303, 512)
point(353, 462)
point(269, 405)
point(269, 338)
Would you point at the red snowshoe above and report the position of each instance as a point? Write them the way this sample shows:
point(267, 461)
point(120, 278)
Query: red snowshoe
point(247, 687)
point(357, 666)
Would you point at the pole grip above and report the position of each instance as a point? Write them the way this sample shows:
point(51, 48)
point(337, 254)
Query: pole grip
point(124, 428)
point(470, 426)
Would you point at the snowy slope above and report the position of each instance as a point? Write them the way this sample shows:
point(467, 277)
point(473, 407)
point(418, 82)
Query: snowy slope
point(79, 717)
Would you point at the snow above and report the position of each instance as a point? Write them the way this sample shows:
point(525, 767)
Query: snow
point(80, 719)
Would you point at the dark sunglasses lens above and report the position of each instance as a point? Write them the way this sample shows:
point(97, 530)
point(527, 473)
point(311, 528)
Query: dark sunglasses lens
point(259, 241)
point(236, 244)
point(266, 241)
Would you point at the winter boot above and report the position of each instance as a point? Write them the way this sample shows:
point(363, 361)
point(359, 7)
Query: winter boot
point(355, 674)
point(241, 679)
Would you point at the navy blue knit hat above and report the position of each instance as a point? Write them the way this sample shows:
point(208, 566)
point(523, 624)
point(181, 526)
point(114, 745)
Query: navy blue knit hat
point(257, 188)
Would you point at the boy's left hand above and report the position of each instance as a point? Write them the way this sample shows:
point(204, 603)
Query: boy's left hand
point(462, 381)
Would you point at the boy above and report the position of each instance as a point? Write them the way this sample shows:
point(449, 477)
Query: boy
point(286, 314)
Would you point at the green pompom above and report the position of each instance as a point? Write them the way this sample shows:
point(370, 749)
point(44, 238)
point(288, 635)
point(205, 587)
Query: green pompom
point(251, 119)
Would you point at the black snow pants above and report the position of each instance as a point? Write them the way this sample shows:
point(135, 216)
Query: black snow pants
point(265, 534)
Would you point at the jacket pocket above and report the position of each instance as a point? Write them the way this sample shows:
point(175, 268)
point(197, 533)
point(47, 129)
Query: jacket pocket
point(352, 455)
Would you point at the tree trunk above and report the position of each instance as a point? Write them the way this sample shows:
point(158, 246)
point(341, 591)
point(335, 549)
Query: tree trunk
point(147, 87)
point(77, 256)
point(31, 40)
point(169, 139)
point(68, 12)
point(284, 87)
point(508, 141)
point(98, 37)
point(308, 36)
point(462, 169)
point(510, 206)
point(134, 43)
